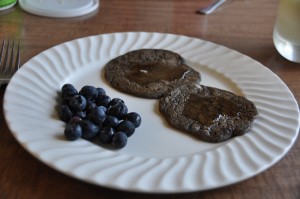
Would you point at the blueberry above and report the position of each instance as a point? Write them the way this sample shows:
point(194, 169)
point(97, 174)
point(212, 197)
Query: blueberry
point(103, 100)
point(116, 101)
point(118, 110)
point(89, 106)
point(66, 101)
point(68, 93)
point(135, 118)
point(68, 90)
point(119, 140)
point(77, 103)
point(98, 114)
point(89, 92)
point(106, 135)
point(100, 91)
point(89, 129)
point(81, 114)
point(67, 86)
point(110, 121)
point(73, 131)
point(75, 119)
point(126, 127)
point(65, 113)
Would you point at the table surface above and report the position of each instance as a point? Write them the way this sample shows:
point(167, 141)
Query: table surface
point(242, 25)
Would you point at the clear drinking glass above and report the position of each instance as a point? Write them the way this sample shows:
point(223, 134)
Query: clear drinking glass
point(286, 34)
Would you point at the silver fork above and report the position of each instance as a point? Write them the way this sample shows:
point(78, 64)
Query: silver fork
point(9, 60)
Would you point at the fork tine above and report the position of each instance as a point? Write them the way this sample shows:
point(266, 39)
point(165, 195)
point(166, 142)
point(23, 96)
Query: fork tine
point(6, 58)
point(10, 65)
point(17, 62)
point(2, 51)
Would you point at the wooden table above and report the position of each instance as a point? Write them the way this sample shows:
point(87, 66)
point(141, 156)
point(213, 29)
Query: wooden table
point(243, 25)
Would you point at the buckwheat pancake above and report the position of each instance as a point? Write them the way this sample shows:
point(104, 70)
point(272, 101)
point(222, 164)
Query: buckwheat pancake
point(149, 73)
point(210, 114)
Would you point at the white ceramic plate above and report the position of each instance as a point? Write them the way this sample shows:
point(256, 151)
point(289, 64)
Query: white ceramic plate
point(157, 158)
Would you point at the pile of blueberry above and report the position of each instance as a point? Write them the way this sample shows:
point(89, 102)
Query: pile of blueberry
point(91, 114)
